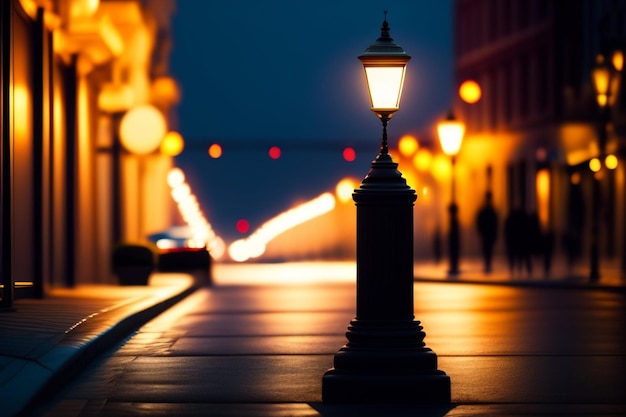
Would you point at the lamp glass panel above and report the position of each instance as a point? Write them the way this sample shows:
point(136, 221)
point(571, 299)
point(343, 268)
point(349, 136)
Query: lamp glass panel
point(450, 136)
point(385, 86)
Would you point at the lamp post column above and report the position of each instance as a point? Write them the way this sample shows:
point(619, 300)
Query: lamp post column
point(385, 359)
point(453, 242)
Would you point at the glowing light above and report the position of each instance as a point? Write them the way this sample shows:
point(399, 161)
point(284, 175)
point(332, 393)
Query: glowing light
point(254, 245)
point(450, 133)
point(407, 145)
point(172, 144)
point(274, 152)
point(215, 151)
point(575, 178)
point(422, 160)
point(595, 165)
point(542, 185)
point(618, 60)
point(441, 167)
point(189, 208)
point(385, 86)
point(611, 161)
point(243, 226)
point(344, 189)
point(349, 154)
point(175, 177)
point(142, 128)
point(470, 92)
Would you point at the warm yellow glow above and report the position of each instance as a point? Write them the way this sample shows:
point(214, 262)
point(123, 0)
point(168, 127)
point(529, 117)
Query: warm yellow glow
point(81, 9)
point(215, 151)
point(142, 128)
point(115, 98)
point(470, 91)
point(441, 168)
point(450, 135)
point(165, 91)
point(595, 165)
point(254, 245)
point(601, 77)
point(542, 185)
point(407, 145)
point(575, 178)
point(22, 109)
point(611, 161)
point(172, 144)
point(618, 60)
point(385, 86)
point(344, 189)
point(422, 160)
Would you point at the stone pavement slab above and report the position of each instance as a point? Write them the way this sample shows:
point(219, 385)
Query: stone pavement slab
point(46, 341)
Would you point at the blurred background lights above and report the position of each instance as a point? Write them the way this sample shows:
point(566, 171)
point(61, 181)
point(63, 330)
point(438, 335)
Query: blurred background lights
point(470, 91)
point(172, 144)
point(344, 189)
point(611, 161)
point(595, 165)
point(175, 177)
point(242, 226)
point(422, 160)
point(274, 152)
point(202, 234)
point(407, 145)
point(349, 154)
point(215, 151)
point(142, 128)
point(254, 245)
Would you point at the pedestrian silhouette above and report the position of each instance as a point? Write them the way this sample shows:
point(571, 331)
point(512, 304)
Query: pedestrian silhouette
point(487, 225)
point(516, 240)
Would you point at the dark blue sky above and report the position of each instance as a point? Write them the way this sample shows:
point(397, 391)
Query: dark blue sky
point(260, 73)
point(285, 69)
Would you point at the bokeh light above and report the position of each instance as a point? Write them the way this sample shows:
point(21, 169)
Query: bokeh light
point(254, 245)
point(349, 154)
point(142, 128)
point(172, 144)
point(595, 165)
point(611, 161)
point(215, 151)
point(470, 91)
point(422, 160)
point(407, 145)
point(344, 189)
point(274, 152)
point(243, 226)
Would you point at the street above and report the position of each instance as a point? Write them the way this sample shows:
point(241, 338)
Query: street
point(260, 348)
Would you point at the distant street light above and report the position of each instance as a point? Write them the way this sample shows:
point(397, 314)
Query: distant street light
point(451, 133)
point(385, 359)
point(606, 77)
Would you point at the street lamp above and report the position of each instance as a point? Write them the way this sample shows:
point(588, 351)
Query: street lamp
point(451, 133)
point(385, 359)
point(606, 77)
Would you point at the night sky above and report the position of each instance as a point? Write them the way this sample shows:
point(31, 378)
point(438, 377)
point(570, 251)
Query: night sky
point(283, 72)
point(284, 69)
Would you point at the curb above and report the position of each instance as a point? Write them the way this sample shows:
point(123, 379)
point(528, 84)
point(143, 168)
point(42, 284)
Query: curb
point(78, 347)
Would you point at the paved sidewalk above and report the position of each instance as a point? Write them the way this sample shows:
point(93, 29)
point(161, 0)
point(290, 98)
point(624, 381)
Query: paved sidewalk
point(46, 342)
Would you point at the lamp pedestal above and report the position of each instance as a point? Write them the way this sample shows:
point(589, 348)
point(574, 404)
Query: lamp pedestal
point(385, 359)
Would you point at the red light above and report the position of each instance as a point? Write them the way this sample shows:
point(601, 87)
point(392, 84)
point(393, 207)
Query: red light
point(242, 226)
point(274, 152)
point(349, 154)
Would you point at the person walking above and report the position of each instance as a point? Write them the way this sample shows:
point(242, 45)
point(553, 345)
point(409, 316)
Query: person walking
point(487, 225)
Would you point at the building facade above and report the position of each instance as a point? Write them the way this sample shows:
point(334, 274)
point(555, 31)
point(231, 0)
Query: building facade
point(71, 69)
point(532, 134)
